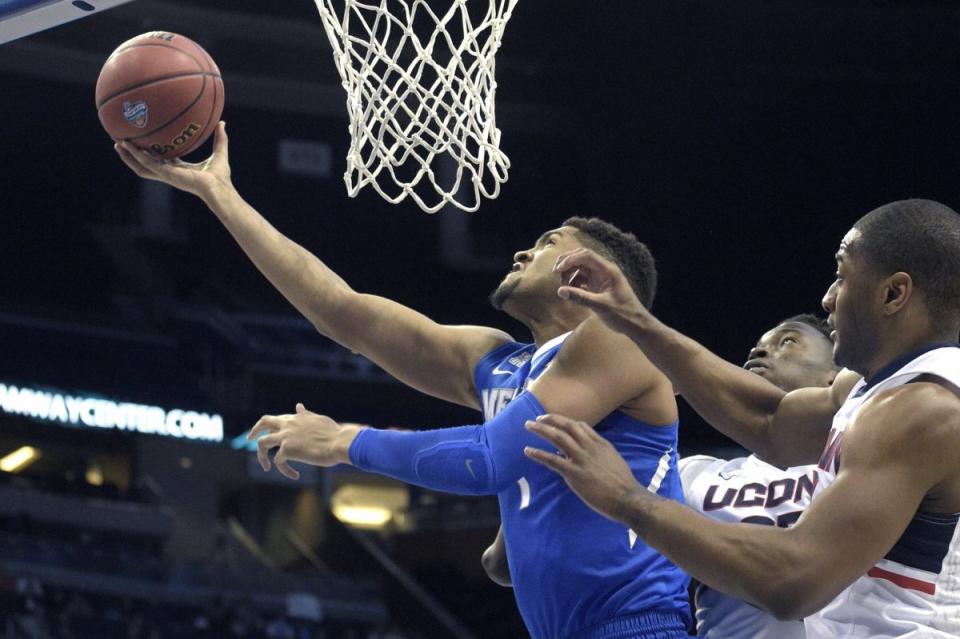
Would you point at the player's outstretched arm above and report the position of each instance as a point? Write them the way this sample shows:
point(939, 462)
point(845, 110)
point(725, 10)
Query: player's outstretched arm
point(783, 428)
point(596, 372)
point(433, 358)
point(900, 452)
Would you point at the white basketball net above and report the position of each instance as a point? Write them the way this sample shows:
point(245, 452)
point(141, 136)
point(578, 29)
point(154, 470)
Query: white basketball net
point(419, 76)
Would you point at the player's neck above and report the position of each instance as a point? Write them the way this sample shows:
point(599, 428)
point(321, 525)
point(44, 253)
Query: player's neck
point(546, 319)
point(547, 327)
point(907, 344)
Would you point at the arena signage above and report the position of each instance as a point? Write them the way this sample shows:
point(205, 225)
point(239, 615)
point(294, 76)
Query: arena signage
point(98, 412)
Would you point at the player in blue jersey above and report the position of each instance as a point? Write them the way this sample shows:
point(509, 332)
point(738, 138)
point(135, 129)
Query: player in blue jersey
point(796, 353)
point(576, 574)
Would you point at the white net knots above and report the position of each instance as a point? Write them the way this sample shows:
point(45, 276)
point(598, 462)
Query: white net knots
point(419, 76)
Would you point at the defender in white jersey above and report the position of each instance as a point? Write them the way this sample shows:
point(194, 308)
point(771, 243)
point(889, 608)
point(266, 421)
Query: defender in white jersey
point(877, 551)
point(796, 353)
point(745, 490)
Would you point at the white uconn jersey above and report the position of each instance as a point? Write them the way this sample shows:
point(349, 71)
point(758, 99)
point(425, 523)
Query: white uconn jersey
point(915, 590)
point(745, 490)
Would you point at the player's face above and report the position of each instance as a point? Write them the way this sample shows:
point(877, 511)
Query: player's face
point(532, 270)
point(851, 302)
point(793, 355)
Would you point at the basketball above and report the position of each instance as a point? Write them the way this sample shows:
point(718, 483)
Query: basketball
point(160, 91)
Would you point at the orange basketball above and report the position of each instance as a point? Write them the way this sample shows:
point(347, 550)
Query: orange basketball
point(162, 92)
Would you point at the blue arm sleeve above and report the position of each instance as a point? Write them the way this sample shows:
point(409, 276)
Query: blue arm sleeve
point(466, 460)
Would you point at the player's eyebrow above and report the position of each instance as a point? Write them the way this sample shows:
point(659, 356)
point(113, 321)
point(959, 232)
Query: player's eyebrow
point(543, 238)
point(782, 331)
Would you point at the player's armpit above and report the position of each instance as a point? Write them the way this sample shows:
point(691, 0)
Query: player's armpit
point(598, 371)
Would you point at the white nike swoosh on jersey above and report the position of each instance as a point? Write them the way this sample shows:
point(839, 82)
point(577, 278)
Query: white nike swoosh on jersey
point(469, 463)
point(497, 371)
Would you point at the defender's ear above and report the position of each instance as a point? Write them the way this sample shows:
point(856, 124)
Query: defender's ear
point(898, 291)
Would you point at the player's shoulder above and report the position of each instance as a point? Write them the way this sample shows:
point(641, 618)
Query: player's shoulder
point(921, 419)
point(842, 385)
point(483, 338)
point(592, 342)
point(913, 430)
point(926, 399)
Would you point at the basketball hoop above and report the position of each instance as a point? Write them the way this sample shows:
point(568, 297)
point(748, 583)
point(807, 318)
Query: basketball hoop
point(420, 95)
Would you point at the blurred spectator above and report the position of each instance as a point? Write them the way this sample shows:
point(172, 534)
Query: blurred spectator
point(280, 628)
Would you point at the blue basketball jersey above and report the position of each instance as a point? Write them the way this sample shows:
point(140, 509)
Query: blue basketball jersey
point(576, 573)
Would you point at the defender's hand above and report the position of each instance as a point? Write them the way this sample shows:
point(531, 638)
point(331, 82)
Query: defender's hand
point(305, 437)
point(589, 464)
point(601, 286)
point(200, 179)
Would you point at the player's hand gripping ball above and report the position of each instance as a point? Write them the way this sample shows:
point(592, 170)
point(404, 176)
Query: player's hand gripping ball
point(160, 91)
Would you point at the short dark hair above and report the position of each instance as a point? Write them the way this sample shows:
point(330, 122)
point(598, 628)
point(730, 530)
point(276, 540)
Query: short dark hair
point(920, 238)
point(630, 254)
point(817, 323)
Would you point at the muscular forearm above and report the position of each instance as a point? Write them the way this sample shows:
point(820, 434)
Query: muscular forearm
point(307, 283)
point(733, 400)
point(759, 564)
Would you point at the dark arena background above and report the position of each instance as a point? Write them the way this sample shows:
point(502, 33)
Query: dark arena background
point(739, 140)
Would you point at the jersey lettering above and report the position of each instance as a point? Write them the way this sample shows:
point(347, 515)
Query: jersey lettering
point(496, 399)
point(783, 521)
point(767, 495)
point(830, 460)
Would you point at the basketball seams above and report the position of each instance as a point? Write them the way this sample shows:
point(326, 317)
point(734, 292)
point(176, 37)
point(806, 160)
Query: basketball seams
point(216, 95)
point(162, 45)
point(139, 85)
point(213, 108)
point(201, 68)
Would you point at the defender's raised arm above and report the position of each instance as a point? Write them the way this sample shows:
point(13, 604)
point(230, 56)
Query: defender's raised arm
point(784, 428)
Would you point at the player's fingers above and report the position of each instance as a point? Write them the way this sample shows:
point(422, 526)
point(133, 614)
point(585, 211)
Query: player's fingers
point(264, 445)
point(128, 157)
point(582, 296)
point(557, 421)
point(155, 167)
point(221, 145)
point(266, 424)
point(301, 408)
point(578, 430)
point(280, 459)
point(567, 258)
point(559, 438)
point(556, 463)
point(582, 258)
